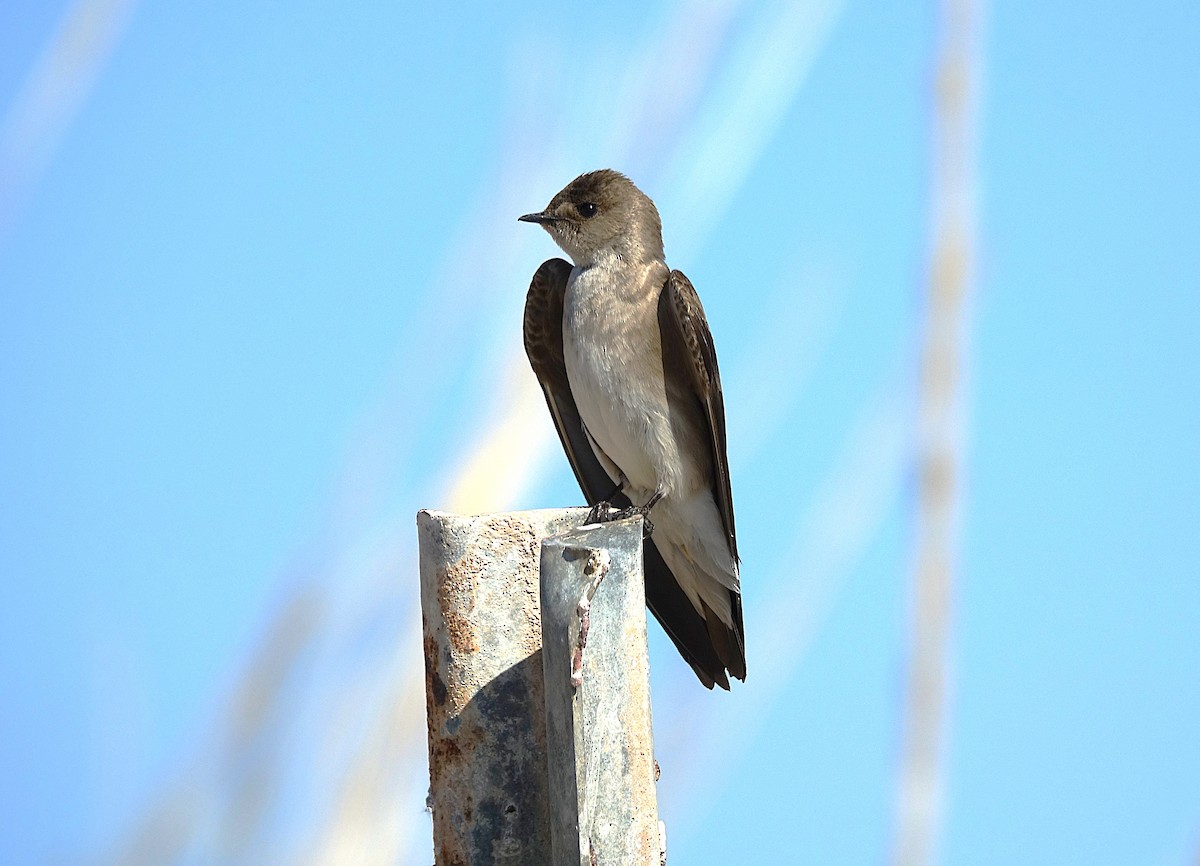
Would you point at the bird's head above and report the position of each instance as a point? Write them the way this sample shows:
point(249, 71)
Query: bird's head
point(602, 212)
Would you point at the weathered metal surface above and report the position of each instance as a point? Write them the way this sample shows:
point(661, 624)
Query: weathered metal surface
point(483, 684)
point(604, 811)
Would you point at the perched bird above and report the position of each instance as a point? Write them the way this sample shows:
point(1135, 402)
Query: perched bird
point(622, 350)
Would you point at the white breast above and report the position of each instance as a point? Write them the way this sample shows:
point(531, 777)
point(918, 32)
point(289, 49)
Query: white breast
point(614, 364)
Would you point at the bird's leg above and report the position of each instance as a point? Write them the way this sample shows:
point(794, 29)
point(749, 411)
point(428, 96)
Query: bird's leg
point(602, 511)
point(640, 510)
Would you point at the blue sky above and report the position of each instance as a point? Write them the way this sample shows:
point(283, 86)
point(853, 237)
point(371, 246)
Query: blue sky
point(261, 286)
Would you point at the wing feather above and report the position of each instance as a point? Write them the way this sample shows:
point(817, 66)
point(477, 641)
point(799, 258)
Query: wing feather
point(689, 354)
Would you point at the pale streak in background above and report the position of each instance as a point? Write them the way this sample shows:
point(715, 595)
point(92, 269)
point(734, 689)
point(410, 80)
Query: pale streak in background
point(940, 434)
point(52, 94)
point(772, 62)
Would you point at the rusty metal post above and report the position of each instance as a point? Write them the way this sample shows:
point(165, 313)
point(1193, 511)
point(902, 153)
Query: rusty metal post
point(604, 811)
point(483, 685)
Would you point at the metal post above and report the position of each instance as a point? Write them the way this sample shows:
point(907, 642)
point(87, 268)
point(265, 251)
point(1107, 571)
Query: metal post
point(604, 811)
point(483, 685)
point(537, 758)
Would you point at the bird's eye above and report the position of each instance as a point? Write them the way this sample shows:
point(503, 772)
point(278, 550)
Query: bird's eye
point(586, 209)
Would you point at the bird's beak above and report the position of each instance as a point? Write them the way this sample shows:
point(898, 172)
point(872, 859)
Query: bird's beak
point(540, 218)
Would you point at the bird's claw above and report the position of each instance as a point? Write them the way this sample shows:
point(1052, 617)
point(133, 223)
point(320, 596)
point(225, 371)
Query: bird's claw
point(642, 511)
point(603, 512)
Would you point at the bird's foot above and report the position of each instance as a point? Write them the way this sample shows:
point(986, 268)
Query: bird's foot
point(601, 512)
point(642, 511)
point(636, 511)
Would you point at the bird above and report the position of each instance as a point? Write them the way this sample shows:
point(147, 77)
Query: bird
point(622, 350)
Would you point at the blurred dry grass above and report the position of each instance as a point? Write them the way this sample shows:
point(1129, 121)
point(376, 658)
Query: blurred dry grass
point(940, 433)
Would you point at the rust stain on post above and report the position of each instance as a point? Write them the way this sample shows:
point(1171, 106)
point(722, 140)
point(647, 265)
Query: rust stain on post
point(484, 687)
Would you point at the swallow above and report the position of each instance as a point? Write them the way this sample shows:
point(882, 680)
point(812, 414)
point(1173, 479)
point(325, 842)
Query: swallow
point(622, 350)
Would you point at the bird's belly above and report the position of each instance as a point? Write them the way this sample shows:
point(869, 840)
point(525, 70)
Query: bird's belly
point(622, 401)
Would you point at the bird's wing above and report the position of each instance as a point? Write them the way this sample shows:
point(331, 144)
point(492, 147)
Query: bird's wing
point(690, 367)
point(689, 355)
point(544, 346)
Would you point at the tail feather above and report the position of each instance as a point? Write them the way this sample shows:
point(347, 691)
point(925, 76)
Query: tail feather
point(681, 621)
point(727, 641)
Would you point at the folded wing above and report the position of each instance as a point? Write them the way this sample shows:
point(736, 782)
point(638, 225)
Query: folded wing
point(690, 367)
